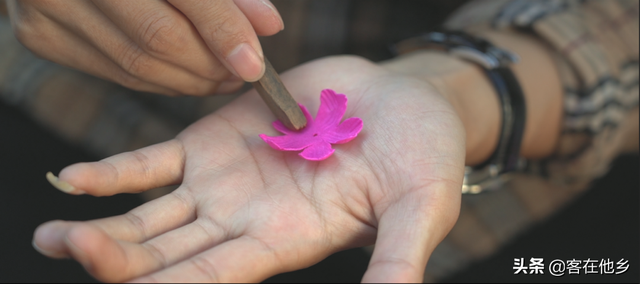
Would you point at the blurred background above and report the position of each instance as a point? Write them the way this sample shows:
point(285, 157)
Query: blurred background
point(51, 116)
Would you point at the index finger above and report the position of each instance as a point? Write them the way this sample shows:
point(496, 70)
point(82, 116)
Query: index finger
point(165, 33)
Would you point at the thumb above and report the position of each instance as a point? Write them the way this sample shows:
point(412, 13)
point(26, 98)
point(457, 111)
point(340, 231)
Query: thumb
point(228, 33)
point(408, 232)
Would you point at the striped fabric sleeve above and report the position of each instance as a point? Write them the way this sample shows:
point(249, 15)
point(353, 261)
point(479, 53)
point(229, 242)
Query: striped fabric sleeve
point(596, 46)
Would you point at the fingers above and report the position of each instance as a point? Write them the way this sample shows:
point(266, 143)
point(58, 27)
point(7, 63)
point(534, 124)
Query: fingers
point(228, 33)
point(151, 46)
point(111, 260)
point(408, 232)
point(245, 259)
point(165, 33)
point(96, 252)
point(131, 172)
point(105, 36)
point(53, 42)
point(48, 238)
point(140, 224)
point(156, 217)
point(162, 32)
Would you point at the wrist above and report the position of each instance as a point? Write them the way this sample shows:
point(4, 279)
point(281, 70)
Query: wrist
point(465, 86)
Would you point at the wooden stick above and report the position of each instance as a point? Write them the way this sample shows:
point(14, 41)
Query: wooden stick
point(278, 99)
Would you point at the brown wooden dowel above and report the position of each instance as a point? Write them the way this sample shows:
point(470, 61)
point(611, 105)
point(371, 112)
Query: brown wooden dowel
point(278, 99)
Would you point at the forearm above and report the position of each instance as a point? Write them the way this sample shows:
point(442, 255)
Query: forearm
point(474, 98)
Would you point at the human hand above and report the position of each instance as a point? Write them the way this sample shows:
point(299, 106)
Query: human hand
point(167, 47)
point(245, 212)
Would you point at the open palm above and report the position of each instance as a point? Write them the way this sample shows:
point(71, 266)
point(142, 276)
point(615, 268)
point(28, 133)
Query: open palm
point(245, 212)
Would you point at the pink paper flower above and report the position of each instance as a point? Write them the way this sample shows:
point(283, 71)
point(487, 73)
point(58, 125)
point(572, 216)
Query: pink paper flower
point(316, 138)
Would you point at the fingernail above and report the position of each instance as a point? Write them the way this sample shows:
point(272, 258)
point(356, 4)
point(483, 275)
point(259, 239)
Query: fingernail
point(275, 11)
point(62, 185)
point(246, 63)
point(48, 253)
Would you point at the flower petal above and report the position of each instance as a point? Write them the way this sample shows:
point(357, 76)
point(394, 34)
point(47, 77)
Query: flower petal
point(280, 127)
point(345, 132)
point(332, 108)
point(289, 142)
point(318, 151)
point(316, 138)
